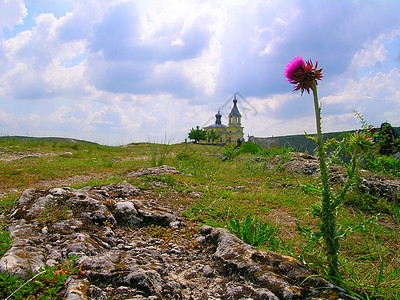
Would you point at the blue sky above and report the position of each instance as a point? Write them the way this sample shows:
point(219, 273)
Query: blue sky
point(116, 72)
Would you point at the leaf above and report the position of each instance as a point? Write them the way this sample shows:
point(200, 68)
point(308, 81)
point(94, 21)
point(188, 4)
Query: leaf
point(309, 187)
point(314, 138)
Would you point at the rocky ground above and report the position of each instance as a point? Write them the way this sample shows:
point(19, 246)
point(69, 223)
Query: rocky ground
point(370, 183)
point(129, 247)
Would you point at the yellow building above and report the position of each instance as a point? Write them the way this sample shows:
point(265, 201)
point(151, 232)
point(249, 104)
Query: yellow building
point(228, 134)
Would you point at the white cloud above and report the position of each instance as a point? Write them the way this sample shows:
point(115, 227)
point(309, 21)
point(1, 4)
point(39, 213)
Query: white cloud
point(382, 86)
point(120, 70)
point(12, 13)
point(372, 52)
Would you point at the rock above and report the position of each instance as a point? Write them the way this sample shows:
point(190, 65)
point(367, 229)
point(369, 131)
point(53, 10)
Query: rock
point(156, 171)
point(131, 251)
point(95, 292)
point(208, 271)
point(102, 215)
point(282, 276)
point(26, 253)
point(126, 213)
point(76, 289)
point(26, 196)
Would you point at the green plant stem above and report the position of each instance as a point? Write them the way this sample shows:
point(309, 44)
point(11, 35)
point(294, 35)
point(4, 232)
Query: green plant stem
point(328, 213)
point(350, 175)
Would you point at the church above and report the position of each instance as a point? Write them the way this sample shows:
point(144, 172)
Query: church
point(231, 134)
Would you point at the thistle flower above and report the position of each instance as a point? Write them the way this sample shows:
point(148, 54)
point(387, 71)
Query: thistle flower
point(303, 74)
point(360, 142)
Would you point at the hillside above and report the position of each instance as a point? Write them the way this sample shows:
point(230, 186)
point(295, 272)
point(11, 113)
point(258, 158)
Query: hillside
point(205, 191)
point(42, 139)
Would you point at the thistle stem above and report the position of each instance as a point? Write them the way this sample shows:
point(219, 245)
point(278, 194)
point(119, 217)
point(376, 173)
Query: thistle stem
point(328, 213)
point(350, 175)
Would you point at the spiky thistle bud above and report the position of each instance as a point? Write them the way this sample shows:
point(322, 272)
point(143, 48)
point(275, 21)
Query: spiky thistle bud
point(303, 74)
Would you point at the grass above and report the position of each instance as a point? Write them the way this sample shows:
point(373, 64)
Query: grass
point(218, 192)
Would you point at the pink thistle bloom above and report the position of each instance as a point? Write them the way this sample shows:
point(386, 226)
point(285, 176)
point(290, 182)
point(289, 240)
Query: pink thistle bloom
point(303, 74)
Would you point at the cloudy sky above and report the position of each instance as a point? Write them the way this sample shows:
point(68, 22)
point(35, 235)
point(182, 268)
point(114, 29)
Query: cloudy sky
point(115, 72)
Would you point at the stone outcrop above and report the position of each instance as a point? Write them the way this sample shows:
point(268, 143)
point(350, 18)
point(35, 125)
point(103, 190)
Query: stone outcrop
point(369, 183)
point(156, 171)
point(128, 247)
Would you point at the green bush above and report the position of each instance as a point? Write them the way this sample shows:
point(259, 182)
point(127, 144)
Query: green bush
point(250, 147)
point(383, 164)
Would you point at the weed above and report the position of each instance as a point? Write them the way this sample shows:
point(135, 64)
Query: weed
point(231, 152)
point(5, 240)
point(253, 232)
point(44, 285)
point(159, 152)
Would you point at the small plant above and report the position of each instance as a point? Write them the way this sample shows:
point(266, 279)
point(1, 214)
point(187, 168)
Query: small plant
point(108, 224)
point(231, 152)
point(168, 234)
point(5, 239)
point(253, 232)
point(44, 285)
point(160, 232)
point(159, 152)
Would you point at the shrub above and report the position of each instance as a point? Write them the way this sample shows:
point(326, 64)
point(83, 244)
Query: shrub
point(250, 147)
point(383, 164)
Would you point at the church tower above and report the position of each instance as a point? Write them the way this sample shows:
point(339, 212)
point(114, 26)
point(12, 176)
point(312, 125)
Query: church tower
point(234, 115)
point(231, 134)
point(235, 129)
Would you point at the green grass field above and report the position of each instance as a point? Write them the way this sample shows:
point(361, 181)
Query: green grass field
point(226, 191)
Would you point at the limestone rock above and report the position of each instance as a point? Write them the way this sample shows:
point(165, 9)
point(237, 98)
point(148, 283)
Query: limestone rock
point(76, 289)
point(156, 171)
point(138, 250)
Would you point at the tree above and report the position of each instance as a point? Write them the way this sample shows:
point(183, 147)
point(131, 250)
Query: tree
point(197, 134)
point(212, 136)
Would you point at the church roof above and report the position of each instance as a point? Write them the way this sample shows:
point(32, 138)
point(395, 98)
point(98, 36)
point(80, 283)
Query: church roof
point(235, 110)
point(218, 123)
point(215, 126)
